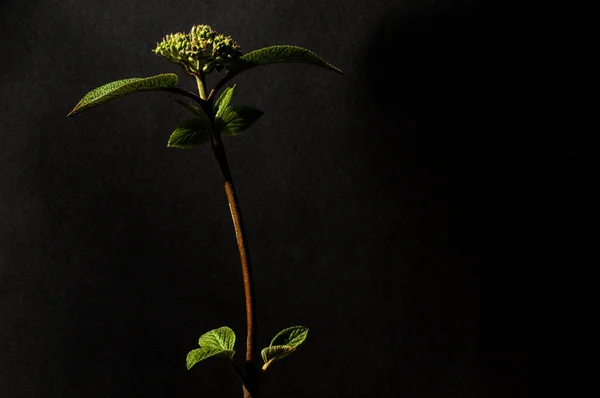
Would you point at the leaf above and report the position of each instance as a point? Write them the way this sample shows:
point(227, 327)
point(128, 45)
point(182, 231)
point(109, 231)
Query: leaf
point(194, 109)
point(223, 338)
point(217, 342)
point(200, 354)
point(236, 119)
point(119, 88)
point(279, 54)
point(223, 101)
point(283, 344)
point(189, 133)
point(270, 354)
point(292, 336)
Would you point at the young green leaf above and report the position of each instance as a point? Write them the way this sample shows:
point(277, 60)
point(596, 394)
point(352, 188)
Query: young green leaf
point(219, 342)
point(283, 344)
point(223, 101)
point(200, 354)
point(189, 133)
point(236, 119)
point(119, 88)
point(194, 109)
point(292, 336)
point(279, 54)
point(223, 338)
point(270, 354)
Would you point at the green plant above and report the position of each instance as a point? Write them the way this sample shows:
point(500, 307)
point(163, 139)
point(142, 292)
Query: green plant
point(200, 52)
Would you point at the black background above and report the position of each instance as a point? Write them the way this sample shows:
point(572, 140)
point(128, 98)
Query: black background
point(360, 193)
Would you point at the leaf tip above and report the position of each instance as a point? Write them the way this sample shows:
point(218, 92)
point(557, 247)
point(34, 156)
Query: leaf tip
point(190, 360)
point(335, 69)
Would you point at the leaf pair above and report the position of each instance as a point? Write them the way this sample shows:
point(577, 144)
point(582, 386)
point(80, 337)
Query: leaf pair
point(221, 341)
point(263, 56)
point(229, 120)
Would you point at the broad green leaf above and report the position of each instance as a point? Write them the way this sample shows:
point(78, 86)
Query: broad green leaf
point(236, 119)
point(279, 54)
point(196, 110)
point(292, 336)
point(222, 338)
point(216, 342)
point(223, 101)
point(119, 88)
point(200, 354)
point(189, 133)
point(270, 354)
point(283, 344)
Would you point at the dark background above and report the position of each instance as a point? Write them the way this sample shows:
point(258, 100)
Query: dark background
point(360, 193)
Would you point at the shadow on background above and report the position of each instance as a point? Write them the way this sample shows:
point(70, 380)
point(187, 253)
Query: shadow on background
point(451, 88)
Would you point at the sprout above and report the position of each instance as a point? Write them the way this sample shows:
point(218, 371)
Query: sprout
point(200, 51)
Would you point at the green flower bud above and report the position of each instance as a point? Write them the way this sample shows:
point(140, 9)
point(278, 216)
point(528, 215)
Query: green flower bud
point(202, 36)
point(200, 51)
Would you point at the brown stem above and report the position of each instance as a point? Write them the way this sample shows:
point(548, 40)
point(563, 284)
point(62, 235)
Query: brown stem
point(251, 376)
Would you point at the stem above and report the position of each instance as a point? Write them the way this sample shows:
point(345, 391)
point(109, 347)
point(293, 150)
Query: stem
point(201, 81)
point(251, 376)
point(185, 93)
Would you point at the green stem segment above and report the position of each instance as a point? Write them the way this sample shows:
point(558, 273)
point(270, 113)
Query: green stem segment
point(201, 81)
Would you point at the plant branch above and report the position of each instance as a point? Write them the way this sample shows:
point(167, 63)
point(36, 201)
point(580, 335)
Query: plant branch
point(185, 93)
point(206, 106)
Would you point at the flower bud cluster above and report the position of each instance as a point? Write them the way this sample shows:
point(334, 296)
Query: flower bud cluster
point(200, 51)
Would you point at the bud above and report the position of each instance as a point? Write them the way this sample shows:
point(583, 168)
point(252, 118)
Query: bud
point(201, 37)
point(200, 51)
point(225, 50)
